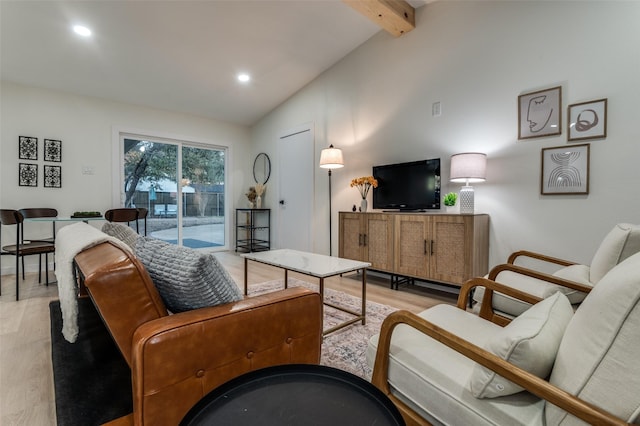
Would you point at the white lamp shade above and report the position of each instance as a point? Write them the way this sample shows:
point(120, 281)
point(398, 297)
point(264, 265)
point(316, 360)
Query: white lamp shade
point(331, 158)
point(468, 167)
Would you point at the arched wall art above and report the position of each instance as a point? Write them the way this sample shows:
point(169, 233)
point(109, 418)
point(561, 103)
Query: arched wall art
point(565, 170)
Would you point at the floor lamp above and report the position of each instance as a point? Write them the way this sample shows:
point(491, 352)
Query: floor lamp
point(331, 158)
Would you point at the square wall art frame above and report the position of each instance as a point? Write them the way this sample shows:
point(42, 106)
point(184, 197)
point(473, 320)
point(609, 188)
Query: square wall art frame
point(27, 148)
point(27, 174)
point(52, 150)
point(587, 120)
point(565, 170)
point(52, 176)
point(539, 113)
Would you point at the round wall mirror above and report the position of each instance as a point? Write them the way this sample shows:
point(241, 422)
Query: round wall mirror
point(261, 168)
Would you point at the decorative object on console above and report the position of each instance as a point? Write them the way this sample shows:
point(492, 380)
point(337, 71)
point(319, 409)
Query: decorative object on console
point(364, 184)
point(468, 167)
point(565, 170)
point(587, 120)
point(251, 196)
point(331, 158)
point(450, 201)
point(539, 113)
point(260, 188)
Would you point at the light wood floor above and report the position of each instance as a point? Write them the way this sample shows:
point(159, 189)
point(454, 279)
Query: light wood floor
point(26, 376)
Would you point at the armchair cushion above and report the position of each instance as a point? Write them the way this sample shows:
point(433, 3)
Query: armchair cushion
point(434, 380)
point(620, 243)
point(530, 341)
point(185, 278)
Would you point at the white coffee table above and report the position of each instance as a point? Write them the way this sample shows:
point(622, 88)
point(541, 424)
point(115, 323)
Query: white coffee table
point(315, 265)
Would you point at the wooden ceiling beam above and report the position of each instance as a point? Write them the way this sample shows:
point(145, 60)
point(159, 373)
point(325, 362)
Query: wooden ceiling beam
point(397, 17)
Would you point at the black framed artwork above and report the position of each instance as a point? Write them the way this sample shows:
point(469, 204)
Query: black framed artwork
point(27, 148)
point(27, 174)
point(52, 150)
point(52, 176)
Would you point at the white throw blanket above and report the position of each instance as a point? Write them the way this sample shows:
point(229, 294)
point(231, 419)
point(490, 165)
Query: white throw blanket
point(71, 240)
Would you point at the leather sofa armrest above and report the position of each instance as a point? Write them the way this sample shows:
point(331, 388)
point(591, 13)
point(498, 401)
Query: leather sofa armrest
point(538, 256)
point(533, 384)
point(176, 360)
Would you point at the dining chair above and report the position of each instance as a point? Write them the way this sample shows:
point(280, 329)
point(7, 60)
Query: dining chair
point(23, 247)
point(30, 213)
point(123, 215)
point(142, 214)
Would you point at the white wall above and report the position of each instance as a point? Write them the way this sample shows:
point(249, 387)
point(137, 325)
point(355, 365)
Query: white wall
point(476, 58)
point(85, 125)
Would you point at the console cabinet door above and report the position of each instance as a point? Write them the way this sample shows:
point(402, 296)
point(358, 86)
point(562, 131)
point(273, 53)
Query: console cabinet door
point(412, 245)
point(450, 260)
point(378, 241)
point(351, 236)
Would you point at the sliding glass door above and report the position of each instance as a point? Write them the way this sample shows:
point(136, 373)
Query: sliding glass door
point(181, 185)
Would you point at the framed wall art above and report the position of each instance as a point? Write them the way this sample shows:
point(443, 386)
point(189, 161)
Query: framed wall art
point(27, 148)
point(27, 174)
point(565, 170)
point(52, 176)
point(587, 120)
point(539, 113)
point(52, 150)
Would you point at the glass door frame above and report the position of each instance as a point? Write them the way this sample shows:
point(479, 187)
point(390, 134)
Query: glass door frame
point(118, 193)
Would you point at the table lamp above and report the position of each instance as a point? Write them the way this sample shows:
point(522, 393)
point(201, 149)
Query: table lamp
point(468, 167)
point(331, 158)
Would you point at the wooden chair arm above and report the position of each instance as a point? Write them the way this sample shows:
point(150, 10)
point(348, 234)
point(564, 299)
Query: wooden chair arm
point(493, 275)
point(486, 306)
point(533, 384)
point(538, 256)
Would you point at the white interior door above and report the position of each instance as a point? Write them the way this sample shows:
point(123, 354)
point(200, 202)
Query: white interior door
point(295, 171)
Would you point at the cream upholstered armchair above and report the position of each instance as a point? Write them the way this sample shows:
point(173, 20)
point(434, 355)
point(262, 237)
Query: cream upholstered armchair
point(570, 278)
point(549, 366)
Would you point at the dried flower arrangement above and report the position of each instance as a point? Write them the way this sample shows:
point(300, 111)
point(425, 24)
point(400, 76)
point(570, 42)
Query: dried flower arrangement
point(252, 194)
point(364, 184)
point(260, 188)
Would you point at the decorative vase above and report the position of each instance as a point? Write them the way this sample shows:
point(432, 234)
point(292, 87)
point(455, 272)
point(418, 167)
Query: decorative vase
point(363, 205)
point(451, 209)
point(258, 202)
point(250, 204)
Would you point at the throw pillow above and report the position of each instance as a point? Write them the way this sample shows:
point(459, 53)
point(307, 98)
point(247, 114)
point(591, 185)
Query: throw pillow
point(185, 278)
point(620, 243)
point(121, 232)
point(530, 342)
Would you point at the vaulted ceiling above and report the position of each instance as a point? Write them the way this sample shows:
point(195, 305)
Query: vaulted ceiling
point(182, 55)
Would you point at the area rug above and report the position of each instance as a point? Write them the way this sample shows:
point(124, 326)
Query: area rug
point(92, 381)
point(345, 348)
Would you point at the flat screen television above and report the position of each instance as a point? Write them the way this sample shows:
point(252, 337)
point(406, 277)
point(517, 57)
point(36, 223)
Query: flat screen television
point(408, 186)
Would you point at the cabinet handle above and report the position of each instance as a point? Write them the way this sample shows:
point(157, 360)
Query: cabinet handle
point(433, 251)
point(425, 247)
point(365, 239)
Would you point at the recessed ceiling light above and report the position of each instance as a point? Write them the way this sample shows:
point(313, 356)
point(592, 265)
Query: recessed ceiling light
point(82, 30)
point(244, 78)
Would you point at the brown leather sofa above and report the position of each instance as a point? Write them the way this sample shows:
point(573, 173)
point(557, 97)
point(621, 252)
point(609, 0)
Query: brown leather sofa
point(177, 359)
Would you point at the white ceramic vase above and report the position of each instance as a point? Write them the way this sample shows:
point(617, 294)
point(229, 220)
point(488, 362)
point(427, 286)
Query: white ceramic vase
point(363, 205)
